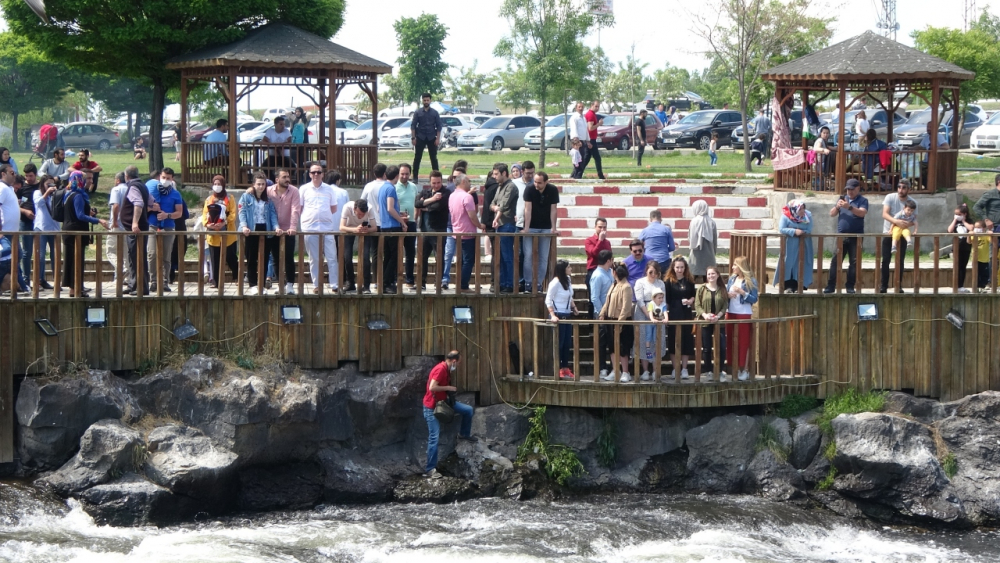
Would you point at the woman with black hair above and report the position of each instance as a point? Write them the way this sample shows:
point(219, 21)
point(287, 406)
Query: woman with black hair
point(219, 215)
point(258, 214)
point(559, 302)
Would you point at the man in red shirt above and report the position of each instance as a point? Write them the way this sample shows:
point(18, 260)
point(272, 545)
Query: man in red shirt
point(593, 246)
point(84, 163)
point(438, 387)
point(592, 147)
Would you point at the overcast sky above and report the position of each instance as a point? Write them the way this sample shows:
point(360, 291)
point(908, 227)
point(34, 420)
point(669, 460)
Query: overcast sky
point(661, 35)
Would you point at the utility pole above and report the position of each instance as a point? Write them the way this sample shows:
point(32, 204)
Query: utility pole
point(887, 23)
point(970, 14)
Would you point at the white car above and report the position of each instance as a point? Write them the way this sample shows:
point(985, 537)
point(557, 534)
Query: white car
point(344, 126)
point(362, 135)
point(408, 109)
point(256, 134)
point(986, 137)
point(475, 119)
point(270, 114)
point(398, 138)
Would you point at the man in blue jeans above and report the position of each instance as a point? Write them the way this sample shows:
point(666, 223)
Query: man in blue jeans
point(504, 206)
point(438, 387)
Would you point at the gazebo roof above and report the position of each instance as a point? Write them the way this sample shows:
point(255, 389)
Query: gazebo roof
point(865, 57)
point(281, 44)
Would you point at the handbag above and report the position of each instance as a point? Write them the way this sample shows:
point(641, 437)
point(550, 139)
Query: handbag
point(444, 412)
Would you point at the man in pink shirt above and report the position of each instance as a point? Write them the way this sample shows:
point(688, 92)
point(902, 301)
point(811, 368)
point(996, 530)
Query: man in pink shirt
point(285, 198)
point(462, 209)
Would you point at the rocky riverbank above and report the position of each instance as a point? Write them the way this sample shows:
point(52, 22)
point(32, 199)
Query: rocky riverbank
point(207, 437)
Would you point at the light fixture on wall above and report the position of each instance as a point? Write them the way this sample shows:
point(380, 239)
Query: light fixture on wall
point(97, 317)
point(955, 318)
point(291, 314)
point(462, 314)
point(46, 327)
point(377, 322)
point(185, 331)
point(867, 312)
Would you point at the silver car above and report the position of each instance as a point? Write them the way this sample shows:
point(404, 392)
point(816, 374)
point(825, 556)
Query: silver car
point(555, 134)
point(499, 132)
point(86, 135)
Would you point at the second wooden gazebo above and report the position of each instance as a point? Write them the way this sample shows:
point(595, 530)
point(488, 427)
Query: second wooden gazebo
point(278, 54)
point(878, 70)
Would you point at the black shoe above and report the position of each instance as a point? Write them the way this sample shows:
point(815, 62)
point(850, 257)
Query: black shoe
point(506, 290)
point(444, 285)
point(468, 438)
point(827, 290)
point(45, 285)
point(152, 287)
point(130, 292)
point(366, 291)
point(883, 290)
point(351, 287)
point(850, 290)
point(391, 290)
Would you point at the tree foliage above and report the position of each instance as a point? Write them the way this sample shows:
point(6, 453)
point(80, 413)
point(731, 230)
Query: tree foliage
point(28, 79)
point(746, 37)
point(976, 50)
point(515, 89)
point(627, 85)
point(421, 44)
point(466, 84)
point(136, 39)
point(545, 41)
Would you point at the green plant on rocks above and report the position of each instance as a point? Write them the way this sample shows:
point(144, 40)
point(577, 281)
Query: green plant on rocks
point(561, 462)
point(851, 401)
point(950, 465)
point(607, 450)
point(768, 439)
point(794, 405)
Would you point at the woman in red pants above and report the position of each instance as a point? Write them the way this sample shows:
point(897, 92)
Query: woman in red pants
point(742, 290)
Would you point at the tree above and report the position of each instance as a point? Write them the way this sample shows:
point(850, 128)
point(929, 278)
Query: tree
point(466, 85)
point(669, 81)
point(391, 93)
point(627, 85)
point(976, 50)
point(28, 80)
point(545, 43)
point(135, 40)
point(515, 90)
point(747, 37)
point(421, 43)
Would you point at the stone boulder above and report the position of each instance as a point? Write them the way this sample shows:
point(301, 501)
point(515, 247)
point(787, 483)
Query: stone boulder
point(53, 415)
point(665, 473)
point(720, 452)
point(773, 479)
point(476, 462)
point(133, 501)
point(927, 411)
point(572, 427)
point(502, 427)
point(201, 369)
point(890, 462)
point(805, 444)
point(984, 405)
point(439, 491)
point(353, 475)
point(975, 443)
point(108, 448)
point(382, 406)
point(188, 463)
point(819, 467)
point(641, 435)
point(808, 417)
point(286, 487)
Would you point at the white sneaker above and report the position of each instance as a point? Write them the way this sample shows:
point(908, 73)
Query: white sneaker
point(964, 290)
point(625, 378)
point(684, 373)
point(646, 376)
point(744, 375)
point(707, 375)
point(722, 375)
point(604, 375)
point(261, 290)
point(673, 374)
point(290, 288)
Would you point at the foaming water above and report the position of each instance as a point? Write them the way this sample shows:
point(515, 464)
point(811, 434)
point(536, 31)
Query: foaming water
point(612, 529)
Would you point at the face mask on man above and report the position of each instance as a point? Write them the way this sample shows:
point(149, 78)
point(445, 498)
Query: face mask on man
point(165, 187)
point(452, 367)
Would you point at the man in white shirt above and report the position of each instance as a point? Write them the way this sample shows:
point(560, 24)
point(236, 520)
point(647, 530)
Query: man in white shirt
point(219, 135)
point(578, 130)
point(278, 134)
point(56, 167)
point(355, 219)
point(370, 194)
point(11, 213)
point(319, 204)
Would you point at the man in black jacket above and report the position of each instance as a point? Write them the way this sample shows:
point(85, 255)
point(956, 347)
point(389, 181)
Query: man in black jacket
point(433, 200)
point(425, 131)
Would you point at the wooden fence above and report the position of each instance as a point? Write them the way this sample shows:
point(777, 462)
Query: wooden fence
point(201, 161)
point(819, 176)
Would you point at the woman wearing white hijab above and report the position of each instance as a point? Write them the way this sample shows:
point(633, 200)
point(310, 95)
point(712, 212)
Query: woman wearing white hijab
point(703, 236)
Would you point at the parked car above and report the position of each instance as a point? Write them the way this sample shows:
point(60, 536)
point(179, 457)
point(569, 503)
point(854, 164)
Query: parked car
point(617, 132)
point(986, 137)
point(121, 125)
point(88, 135)
point(399, 138)
point(197, 131)
point(270, 114)
point(344, 126)
point(795, 119)
point(555, 134)
point(362, 134)
point(499, 132)
point(876, 119)
point(913, 132)
point(475, 119)
point(256, 134)
point(408, 110)
point(696, 129)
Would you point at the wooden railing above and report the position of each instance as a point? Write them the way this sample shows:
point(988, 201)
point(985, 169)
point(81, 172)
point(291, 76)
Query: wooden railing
point(820, 176)
point(202, 161)
point(931, 263)
point(91, 262)
point(776, 349)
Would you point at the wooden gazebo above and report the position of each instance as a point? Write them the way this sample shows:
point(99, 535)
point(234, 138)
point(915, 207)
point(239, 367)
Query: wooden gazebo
point(879, 71)
point(278, 54)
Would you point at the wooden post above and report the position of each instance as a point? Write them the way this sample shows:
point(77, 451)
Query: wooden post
point(301, 247)
point(57, 274)
point(182, 126)
point(596, 341)
point(36, 265)
point(241, 248)
point(282, 249)
point(916, 264)
point(932, 159)
point(201, 263)
point(234, 149)
point(576, 352)
point(819, 263)
point(331, 155)
point(77, 267)
point(158, 276)
point(840, 172)
point(181, 269)
point(99, 266)
point(140, 266)
point(379, 274)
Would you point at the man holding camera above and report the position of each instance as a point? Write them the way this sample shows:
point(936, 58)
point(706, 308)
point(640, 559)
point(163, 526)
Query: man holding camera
point(440, 389)
point(356, 220)
point(435, 218)
point(850, 211)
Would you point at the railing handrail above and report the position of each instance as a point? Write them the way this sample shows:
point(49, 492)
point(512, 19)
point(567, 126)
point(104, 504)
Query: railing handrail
point(298, 232)
point(591, 322)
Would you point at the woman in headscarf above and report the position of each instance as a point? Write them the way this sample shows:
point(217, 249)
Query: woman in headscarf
point(219, 215)
point(796, 225)
point(703, 236)
point(300, 128)
point(77, 218)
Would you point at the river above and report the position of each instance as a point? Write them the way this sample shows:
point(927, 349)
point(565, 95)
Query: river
point(606, 528)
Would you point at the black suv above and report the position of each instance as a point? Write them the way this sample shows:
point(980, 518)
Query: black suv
point(696, 129)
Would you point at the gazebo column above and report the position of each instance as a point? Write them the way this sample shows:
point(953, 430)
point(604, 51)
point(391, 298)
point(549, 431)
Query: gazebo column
point(932, 159)
point(890, 111)
point(182, 125)
point(840, 174)
point(332, 159)
point(374, 97)
point(234, 141)
point(805, 120)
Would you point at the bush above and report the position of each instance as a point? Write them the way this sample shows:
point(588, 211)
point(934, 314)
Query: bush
point(794, 405)
point(561, 462)
point(950, 465)
point(849, 402)
point(768, 440)
point(607, 450)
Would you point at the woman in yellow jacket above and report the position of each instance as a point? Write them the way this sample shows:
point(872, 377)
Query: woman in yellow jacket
point(220, 215)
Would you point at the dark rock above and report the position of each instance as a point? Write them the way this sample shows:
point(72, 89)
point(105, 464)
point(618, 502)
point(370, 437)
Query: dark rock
point(891, 462)
point(439, 491)
point(375, 401)
point(293, 487)
point(837, 504)
point(501, 425)
point(529, 481)
point(108, 448)
point(572, 427)
point(360, 476)
point(52, 416)
point(297, 402)
point(808, 417)
point(134, 501)
point(188, 463)
point(641, 435)
point(201, 369)
point(975, 443)
point(665, 472)
point(819, 467)
point(773, 478)
point(805, 443)
point(476, 462)
point(720, 451)
point(924, 410)
point(984, 405)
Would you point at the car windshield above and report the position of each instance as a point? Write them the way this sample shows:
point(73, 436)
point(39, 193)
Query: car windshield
point(617, 120)
point(924, 117)
point(849, 117)
point(696, 118)
point(405, 124)
point(994, 119)
point(557, 120)
point(366, 126)
point(496, 123)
